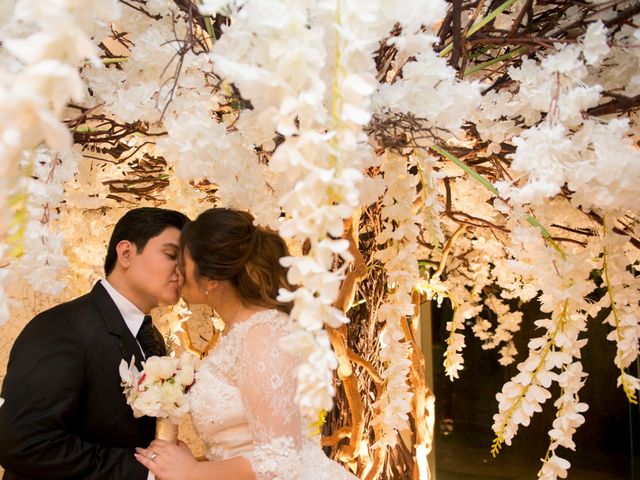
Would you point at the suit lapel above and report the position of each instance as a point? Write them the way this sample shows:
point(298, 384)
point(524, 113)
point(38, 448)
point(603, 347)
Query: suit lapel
point(116, 325)
point(129, 347)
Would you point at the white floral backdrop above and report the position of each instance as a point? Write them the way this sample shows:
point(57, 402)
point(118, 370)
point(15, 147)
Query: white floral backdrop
point(501, 164)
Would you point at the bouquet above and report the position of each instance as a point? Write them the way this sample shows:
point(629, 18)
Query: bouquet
point(159, 390)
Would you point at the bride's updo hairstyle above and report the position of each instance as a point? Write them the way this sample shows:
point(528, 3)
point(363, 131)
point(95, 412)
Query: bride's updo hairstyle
point(225, 245)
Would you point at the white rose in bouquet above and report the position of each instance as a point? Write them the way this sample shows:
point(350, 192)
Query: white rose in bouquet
point(160, 368)
point(186, 375)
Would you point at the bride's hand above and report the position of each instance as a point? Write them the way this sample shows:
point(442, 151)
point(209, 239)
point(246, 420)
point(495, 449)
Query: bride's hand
point(167, 460)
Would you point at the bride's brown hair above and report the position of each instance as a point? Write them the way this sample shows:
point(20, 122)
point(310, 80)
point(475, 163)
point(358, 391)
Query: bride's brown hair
point(225, 245)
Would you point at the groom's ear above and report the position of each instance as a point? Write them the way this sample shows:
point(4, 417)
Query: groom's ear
point(125, 251)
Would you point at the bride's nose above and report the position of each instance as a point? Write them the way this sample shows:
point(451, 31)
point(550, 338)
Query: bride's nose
point(180, 277)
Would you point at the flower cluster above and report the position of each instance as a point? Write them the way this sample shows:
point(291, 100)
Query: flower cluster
point(399, 237)
point(623, 296)
point(568, 418)
point(45, 191)
point(159, 389)
point(428, 87)
point(566, 148)
point(45, 45)
point(285, 88)
point(554, 356)
point(508, 324)
point(280, 62)
point(41, 76)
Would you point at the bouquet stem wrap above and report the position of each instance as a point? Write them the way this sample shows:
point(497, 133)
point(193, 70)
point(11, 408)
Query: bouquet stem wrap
point(166, 430)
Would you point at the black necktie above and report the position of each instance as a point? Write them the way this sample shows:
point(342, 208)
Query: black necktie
point(150, 339)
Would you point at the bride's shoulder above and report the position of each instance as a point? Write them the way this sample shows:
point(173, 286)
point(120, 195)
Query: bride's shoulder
point(263, 321)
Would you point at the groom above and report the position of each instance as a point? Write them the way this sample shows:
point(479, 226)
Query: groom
point(65, 416)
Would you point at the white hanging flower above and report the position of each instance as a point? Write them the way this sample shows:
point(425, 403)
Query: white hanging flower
point(555, 467)
point(594, 44)
point(399, 236)
point(31, 104)
point(622, 298)
point(429, 88)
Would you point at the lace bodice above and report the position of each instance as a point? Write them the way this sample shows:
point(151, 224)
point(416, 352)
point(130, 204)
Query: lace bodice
point(242, 403)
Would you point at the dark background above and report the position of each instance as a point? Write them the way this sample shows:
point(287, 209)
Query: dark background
point(465, 409)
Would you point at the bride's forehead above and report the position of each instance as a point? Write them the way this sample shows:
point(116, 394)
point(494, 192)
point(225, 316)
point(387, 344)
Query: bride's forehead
point(185, 260)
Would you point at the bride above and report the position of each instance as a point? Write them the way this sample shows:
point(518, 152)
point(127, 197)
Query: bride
point(242, 403)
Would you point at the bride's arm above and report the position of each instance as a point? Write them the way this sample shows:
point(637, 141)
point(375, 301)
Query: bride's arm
point(266, 377)
point(175, 462)
point(236, 468)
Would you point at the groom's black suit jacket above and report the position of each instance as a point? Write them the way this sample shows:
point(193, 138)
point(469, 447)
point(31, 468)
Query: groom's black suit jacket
point(65, 416)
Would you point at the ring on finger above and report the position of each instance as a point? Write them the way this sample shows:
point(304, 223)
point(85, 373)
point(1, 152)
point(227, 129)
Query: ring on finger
point(153, 456)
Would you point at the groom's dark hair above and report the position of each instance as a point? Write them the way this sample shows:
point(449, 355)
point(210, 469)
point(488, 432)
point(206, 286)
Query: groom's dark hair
point(139, 226)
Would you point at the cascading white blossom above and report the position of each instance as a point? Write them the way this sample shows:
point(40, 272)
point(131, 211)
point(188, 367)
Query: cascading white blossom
point(567, 148)
point(283, 63)
point(327, 182)
point(43, 257)
point(431, 207)
point(555, 356)
point(47, 44)
point(622, 298)
point(464, 288)
point(280, 76)
point(52, 41)
point(136, 87)
point(508, 322)
point(428, 87)
point(568, 418)
point(399, 236)
point(182, 103)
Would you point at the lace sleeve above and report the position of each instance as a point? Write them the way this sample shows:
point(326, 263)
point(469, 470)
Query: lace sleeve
point(266, 379)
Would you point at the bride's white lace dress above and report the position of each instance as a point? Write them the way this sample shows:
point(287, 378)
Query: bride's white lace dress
point(242, 403)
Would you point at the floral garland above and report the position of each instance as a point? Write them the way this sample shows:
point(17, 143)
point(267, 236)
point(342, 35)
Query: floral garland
point(323, 169)
point(45, 192)
point(279, 96)
point(327, 185)
point(554, 356)
point(399, 235)
point(623, 295)
point(428, 88)
point(508, 324)
point(46, 44)
point(570, 147)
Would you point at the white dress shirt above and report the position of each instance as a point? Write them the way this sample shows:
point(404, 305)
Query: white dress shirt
point(133, 317)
